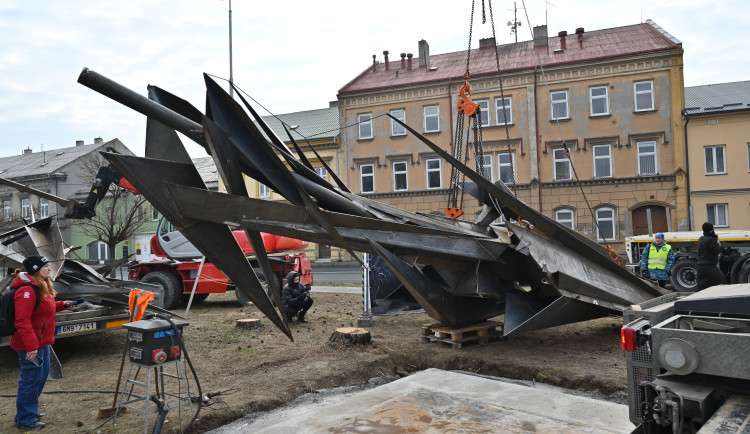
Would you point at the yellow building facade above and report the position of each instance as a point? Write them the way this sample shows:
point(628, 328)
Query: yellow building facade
point(612, 97)
point(717, 121)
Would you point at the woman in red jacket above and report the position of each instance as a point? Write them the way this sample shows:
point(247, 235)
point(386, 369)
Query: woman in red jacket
point(35, 326)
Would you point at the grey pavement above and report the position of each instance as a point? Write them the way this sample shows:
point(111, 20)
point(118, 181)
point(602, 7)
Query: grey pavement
point(337, 289)
point(435, 401)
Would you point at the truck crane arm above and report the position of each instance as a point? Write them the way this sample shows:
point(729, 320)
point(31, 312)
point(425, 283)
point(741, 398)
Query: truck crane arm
point(105, 177)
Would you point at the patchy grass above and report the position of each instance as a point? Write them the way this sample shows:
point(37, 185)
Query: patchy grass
point(260, 369)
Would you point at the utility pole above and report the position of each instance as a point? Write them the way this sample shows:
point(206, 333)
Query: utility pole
point(231, 77)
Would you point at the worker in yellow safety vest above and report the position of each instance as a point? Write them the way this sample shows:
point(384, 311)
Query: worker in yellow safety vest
point(657, 260)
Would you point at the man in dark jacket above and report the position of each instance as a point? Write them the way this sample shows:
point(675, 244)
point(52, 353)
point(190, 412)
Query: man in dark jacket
point(709, 248)
point(296, 298)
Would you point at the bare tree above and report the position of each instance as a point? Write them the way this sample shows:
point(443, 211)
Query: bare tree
point(119, 215)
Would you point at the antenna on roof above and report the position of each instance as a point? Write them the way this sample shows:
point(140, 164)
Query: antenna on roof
point(515, 23)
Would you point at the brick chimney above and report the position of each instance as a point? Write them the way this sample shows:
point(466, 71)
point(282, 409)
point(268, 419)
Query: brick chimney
point(579, 32)
point(424, 54)
point(408, 61)
point(562, 36)
point(540, 36)
point(403, 60)
point(79, 142)
point(387, 66)
point(27, 151)
point(374, 64)
point(98, 141)
point(486, 43)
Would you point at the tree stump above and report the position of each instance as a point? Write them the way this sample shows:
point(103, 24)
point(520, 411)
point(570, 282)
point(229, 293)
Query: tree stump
point(351, 336)
point(248, 323)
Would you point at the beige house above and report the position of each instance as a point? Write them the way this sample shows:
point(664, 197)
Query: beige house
point(613, 97)
point(717, 121)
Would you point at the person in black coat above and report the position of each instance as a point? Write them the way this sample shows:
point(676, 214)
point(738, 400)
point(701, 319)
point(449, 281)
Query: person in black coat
point(296, 298)
point(709, 248)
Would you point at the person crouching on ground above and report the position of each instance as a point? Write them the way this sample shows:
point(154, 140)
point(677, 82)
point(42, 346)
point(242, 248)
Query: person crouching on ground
point(35, 332)
point(296, 298)
point(709, 248)
point(657, 260)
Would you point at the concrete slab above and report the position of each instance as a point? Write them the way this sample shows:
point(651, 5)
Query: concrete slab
point(435, 401)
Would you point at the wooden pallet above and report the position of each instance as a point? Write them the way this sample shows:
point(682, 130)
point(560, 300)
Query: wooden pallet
point(481, 332)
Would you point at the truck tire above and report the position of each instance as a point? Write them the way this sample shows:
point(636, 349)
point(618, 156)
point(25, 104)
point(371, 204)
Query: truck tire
point(172, 289)
point(744, 275)
point(243, 300)
point(197, 298)
point(685, 275)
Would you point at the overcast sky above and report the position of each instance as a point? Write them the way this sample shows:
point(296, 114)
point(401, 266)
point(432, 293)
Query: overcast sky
point(289, 55)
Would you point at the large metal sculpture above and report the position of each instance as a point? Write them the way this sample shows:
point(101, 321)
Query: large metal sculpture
point(460, 272)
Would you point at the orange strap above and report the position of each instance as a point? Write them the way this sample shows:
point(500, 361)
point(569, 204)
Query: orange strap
point(139, 300)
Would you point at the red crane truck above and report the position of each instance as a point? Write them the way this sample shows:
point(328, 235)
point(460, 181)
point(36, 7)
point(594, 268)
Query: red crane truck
point(177, 272)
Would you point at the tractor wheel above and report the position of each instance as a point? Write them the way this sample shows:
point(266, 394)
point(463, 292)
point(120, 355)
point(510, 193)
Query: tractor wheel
point(685, 275)
point(171, 287)
point(744, 275)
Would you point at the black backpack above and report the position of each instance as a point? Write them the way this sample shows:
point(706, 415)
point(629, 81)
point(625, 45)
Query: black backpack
point(8, 311)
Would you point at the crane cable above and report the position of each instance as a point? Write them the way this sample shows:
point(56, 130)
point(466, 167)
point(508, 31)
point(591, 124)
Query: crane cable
point(612, 254)
point(466, 107)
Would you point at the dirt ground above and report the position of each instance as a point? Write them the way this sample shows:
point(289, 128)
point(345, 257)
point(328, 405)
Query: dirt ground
point(260, 369)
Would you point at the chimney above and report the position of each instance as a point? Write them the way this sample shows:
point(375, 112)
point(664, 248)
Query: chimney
point(403, 60)
point(332, 104)
point(79, 142)
point(540, 36)
point(27, 151)
point(424, 54)
point(579, 32)
point(408, 61)
point(387, 66)
point(486, 43)
point(374, 64)
point(98, 141)
point(562, 36)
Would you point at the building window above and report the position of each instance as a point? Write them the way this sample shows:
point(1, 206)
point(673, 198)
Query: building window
point(647, 158)
point(6, 209)
point(431, 119)
point(487, 166)
point(504, 112)
point(396, 128)
point(718, 214)
point(562, 165)
point(98, 250)
point(43, 208)
point(559, 104)
point(605, 220)
point(644, 95)
point(322, 172)
point(263, 190)
point(484, 111)
point(506, 167)
point(25, 208)
point(154, 213)
point(565, 217)
point(602, 161)
point(434, 178)
point(367, 178)
point(715, 158)
point(365, 125)
point(599, 100)
point(399, 176)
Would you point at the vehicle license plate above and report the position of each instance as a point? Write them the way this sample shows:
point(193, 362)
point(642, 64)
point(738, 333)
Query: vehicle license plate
point(76, 328)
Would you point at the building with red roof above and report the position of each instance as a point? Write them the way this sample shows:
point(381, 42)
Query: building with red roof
point(612, 97)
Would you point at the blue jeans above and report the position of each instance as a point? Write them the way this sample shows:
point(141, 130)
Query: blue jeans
point(30, 386)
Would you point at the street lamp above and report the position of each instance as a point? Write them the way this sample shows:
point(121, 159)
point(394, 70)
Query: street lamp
point(231, 78)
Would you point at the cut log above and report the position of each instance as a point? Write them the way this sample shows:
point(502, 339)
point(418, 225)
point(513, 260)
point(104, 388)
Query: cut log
point(351, 336)
point(248, 323)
